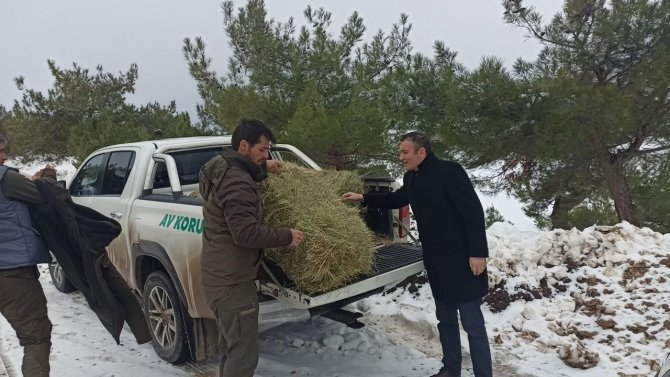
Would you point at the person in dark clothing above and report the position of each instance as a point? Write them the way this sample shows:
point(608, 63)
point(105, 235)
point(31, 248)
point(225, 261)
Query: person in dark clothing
point(451, 225)
point(233, 240)
point(77, 235)
point(22, 300)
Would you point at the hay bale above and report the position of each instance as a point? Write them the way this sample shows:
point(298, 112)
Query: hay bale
point(337, 245)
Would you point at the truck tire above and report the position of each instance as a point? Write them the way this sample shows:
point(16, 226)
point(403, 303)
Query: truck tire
point(163, 311)
point(59, 279)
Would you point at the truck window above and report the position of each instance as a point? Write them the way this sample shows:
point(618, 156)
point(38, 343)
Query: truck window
point(188, 168)
point(189, 163)
point(117, 172)
point(161, 179)
point(86, 181)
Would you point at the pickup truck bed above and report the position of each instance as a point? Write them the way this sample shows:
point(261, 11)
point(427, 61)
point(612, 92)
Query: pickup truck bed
point(389, 262)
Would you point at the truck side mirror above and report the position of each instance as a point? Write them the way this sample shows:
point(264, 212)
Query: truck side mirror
point(61, 183)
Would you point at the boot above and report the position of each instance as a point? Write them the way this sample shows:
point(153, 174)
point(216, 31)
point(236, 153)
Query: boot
point(445, 373)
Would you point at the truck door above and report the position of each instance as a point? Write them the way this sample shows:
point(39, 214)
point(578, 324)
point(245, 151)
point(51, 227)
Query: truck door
point(104, 183)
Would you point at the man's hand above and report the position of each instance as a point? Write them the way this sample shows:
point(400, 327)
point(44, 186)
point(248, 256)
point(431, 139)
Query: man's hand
point(477, 265)
point(351, 197)
point(297, 237)
point(273, 166)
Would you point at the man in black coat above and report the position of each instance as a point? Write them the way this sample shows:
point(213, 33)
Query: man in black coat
point(452, 231)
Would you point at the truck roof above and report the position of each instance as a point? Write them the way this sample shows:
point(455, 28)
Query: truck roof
point(178, 141)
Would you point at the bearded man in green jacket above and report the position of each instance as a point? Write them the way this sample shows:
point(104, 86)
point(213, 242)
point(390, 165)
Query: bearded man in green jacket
point(233, 240)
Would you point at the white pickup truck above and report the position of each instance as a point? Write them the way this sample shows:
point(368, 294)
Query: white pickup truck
point(145, 186)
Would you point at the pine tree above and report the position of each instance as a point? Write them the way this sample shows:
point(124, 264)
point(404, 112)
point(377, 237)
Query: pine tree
point(602, 80)
point(4, 115)
point(84, 111)
point(319, 91)
point(493, 216)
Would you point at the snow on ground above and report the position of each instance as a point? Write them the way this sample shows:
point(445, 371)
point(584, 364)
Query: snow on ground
point(325, 348)
point(82, 348)
point(563, 303)
point(566, 303)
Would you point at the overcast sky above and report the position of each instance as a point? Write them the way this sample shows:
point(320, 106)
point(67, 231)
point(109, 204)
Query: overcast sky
point(150, 33)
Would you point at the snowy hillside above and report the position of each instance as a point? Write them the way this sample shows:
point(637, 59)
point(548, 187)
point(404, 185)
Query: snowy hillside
point(564, 303)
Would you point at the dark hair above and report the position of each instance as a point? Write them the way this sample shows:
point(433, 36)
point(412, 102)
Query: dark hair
point(419, 139)
point(3, 140)
point(251, 130)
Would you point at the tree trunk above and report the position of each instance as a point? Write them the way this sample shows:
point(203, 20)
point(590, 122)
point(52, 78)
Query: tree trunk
point(613, 170)
point(560, 212)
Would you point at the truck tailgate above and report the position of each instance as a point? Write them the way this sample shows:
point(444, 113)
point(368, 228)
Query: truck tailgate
point(393, 264)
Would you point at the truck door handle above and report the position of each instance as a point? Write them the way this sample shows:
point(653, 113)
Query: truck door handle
point(116, 215)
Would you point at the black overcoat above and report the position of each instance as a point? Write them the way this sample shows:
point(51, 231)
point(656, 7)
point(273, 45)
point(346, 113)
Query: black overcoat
point(77, 236)
point(451, 225)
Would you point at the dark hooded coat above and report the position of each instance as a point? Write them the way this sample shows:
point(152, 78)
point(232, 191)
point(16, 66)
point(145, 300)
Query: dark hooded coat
point(77, 236)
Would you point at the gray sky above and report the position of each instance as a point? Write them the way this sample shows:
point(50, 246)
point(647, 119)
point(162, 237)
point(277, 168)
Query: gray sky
point(150, 33)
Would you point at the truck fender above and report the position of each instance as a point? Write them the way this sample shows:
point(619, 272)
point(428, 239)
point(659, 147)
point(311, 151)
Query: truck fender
point(150, 249)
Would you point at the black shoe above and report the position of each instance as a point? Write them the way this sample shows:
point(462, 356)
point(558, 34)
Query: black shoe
point(445, 373)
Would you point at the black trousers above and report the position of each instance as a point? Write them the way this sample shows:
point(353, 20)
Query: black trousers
point(472, 319)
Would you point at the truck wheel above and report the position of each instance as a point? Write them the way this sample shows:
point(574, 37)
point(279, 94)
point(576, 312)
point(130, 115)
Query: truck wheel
point(163, 310)
point(58, 278)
